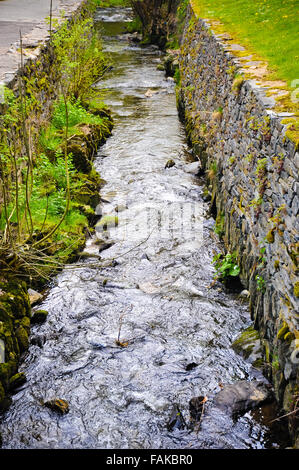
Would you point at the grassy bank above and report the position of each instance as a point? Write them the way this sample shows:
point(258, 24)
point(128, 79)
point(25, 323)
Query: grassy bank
point(268, 30)
point(112, 3)
point(48, 187)
point(267, 27)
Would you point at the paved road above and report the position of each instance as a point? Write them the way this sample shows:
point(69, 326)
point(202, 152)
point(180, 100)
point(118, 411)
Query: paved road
point(27, 16)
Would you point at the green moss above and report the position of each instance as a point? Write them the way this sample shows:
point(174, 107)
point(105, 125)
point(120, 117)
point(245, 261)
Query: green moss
point(296, 289)
point(270, 236)
point(289, 337)
point(17, 380)
point(22, 337)
point(267, 350)
point(276, 264)
point(292, 132)
point(283, 331)
point(108, 221)
point(39, 316)
point(220, 225)
point(237, 83)
point(275, 363)
point(247, 342)
point(2, 393)
point(258, 363)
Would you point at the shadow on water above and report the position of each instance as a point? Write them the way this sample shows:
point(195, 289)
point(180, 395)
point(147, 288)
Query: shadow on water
point(125, 343)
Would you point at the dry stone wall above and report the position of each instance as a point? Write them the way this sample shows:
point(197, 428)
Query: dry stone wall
point(252, 170)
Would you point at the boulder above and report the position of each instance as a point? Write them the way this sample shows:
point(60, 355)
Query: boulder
point(193, 168)
point(238, 398)
point(34, 296)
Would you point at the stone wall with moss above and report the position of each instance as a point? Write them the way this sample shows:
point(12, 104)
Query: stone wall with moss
point(15, 314)
point(41, 78)
point(252, 182)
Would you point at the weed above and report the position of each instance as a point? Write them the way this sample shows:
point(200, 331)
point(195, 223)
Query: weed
point(226, 265)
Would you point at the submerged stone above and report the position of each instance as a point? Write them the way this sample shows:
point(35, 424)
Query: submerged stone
point(176, 420)
point(58, 404)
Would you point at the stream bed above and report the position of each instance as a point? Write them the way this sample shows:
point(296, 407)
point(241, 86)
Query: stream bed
point(125, 343)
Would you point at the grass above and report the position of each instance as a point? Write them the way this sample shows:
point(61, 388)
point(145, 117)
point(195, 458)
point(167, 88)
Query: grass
point(49, 183)
point(112, 3)
point(268, 30)
point(267, 27)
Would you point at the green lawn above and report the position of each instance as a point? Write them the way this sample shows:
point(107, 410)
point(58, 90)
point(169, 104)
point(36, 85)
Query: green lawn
point(269, 28)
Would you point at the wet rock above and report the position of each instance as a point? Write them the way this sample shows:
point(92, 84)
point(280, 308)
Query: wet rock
point(17, 380)
point(135, 37)
point(244, 294)
point(106, 222)
point(176, 420)
point(193, 168)
point(59, 405)
point(34, 296)
point(105, 246)
point(38, 340)
point(121, 208)
point(242, 396)
point(191, 366)
point(40, 316)
point(169, 164)
point(196, 407)
point(248, 344)
point(150, 93)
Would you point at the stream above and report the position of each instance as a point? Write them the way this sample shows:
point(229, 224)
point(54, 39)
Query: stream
point(126, 342)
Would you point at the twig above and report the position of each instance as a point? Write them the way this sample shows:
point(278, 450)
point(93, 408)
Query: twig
point(284, 416)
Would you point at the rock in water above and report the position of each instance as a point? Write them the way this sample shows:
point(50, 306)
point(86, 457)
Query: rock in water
point(59, 405)
point(248, 344)
point(39, 316)
point(169, 163)
point(176, 420)
point(17, 380)
point(196, 407)
point(193, 168)
point(242, 396)
point(105, 246)
point(34, 296)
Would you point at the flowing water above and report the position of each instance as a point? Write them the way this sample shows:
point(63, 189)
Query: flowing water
point(174, 332)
